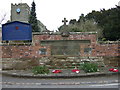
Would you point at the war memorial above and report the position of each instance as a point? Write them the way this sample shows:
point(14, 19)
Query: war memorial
point(22, 48)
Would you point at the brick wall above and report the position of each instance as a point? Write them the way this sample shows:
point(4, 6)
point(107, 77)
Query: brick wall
point(27, 51)
point(77, 36)
point(21, 51)
point(106, 50)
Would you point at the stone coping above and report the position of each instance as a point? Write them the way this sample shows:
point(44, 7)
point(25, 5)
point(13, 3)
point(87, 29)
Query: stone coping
point(59, 33)
point(108, 42)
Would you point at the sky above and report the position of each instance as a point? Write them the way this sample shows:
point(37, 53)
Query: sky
point(52, 12)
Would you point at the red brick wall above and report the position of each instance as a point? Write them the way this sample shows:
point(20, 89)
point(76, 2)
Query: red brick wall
point(21, 51)
point(37, 38)
point(33, 50)
point(105, 50)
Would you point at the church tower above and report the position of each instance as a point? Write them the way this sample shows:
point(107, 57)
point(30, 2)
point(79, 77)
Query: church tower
point(20, 12)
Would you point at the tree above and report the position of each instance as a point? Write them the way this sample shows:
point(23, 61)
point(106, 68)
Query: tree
point(109, 20)
point(72, 21)
point(105, 22)
point(83, 25)
point(33, 19)
point(81, 18)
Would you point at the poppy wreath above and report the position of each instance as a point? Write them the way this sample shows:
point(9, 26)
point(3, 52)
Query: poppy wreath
point(113, 70)
point(56, 71)
point(76, 70)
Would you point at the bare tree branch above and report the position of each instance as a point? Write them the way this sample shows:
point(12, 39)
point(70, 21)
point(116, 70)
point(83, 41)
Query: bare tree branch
point(3, 18)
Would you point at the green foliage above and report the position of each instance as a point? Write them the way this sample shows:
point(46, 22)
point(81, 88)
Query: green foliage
point(33, 19)
point(89, 67)
point(103, 39)
point(75, 29)
point(40, 70)
point(72, 21)
point(82, 25)
point(109, 20)
point(105, 22)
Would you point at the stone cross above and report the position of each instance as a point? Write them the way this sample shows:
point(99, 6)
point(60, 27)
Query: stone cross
point(64, 21)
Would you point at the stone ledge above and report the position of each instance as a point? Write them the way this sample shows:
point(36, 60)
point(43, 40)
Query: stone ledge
point(59, 33)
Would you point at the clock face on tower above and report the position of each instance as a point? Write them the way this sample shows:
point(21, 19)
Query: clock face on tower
point(18, 10)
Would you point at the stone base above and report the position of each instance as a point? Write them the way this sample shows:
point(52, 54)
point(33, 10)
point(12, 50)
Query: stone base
point(57, 62)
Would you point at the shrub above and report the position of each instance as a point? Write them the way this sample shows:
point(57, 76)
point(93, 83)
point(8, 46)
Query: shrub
point(89, 67)
point(40, 70)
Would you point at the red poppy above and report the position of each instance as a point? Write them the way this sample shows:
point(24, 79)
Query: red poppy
point(56, 71)
point(115, 70)
point(75, 70)
point(111, 69)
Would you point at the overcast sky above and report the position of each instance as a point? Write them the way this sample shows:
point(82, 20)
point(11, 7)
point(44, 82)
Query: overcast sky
point(52, 12)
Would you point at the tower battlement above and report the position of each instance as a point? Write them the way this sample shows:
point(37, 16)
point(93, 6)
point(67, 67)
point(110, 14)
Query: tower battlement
point(19, 4)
